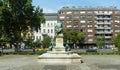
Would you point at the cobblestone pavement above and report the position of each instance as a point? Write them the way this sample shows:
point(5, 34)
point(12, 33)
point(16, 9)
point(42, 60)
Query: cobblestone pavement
point(30, 62)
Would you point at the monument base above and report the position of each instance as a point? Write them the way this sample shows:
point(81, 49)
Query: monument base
point(52, 58)
point(59, 55)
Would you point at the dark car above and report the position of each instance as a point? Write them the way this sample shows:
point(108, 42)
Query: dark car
point(91, 50)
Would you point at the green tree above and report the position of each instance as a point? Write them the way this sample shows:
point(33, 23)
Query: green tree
point(20, 17)
point(46, 42)
point(117, 42)
point(100, 41)
point(80, 38)
point(3, 35)
point(73, 36)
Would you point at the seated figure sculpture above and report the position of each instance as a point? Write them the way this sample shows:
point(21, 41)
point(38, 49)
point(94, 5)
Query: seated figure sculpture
point(67, 46)
point(52, 44)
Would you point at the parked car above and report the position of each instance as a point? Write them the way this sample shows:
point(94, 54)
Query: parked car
point(114, 48)
point(91, 50)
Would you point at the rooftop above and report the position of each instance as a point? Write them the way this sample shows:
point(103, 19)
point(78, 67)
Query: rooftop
point(89, 8)
point(50, 16)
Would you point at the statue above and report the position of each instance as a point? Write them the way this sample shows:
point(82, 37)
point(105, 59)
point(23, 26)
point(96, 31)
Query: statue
point(52, 44)
point(67, 47)
point(58, 28)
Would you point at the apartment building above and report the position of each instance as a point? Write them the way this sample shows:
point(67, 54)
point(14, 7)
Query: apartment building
point(93, 21)
point(47, 28)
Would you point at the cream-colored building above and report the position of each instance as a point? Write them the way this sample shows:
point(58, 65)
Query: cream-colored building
point(47, 28)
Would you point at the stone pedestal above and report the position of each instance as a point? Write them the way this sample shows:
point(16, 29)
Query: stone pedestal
point(59, 44)
point(59, 55)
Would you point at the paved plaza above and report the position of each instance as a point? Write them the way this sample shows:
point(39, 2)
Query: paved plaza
point(30, 62)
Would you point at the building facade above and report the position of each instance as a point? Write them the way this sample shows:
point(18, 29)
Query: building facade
point(47, 28)
point(94, 22)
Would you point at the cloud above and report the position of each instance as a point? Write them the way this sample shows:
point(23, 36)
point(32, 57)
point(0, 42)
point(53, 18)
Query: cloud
point(46, 10)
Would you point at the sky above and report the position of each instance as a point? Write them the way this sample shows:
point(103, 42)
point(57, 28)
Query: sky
point(52, 6)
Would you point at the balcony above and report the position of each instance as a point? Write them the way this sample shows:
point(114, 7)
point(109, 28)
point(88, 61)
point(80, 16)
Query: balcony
point(100, 32)
point(100, 28)
point(105, 18)
point(103, 23)
point(108, 37)
point(103, 13)
point(108, 32)
point(103, 32)
point(107, 28)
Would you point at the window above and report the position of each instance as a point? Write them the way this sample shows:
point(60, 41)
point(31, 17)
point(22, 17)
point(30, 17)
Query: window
point(37, 38)
point(90, 35)
point(39, 31)
point(89, 17)
point(48, 25)
point(82, 12)
point(110, 12)
point(106, 12)
point(117, 16)
point(117, 30)
point(61, 12)
point(83, 26)
point(44, 31)
point(75, 17)
point(62, 21)
point(75, 12)
point(51, 30)
point(83, 30)
point(62, 17)
point(82, 17)
point(51, 24)
point(117, 12)
point(48, 30)
point(76, 30)
point(89, 12)
point(67, 17)
point(117, 25)
point(68, 21)
point(43, 25)
point(117, 21)
point(89, 21)
point(69, 26)
point(82, 21)
point(90, 39)
point(90, 30)
point(89, 25)
point(75, 26)
point(69, 12)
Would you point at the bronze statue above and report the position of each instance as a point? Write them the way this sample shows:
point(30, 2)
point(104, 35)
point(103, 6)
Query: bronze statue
point(58, 28)
point(52, 44)
point(67, 46)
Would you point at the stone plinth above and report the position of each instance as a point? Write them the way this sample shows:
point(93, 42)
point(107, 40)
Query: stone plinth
point(59, 55)
point(51, 58)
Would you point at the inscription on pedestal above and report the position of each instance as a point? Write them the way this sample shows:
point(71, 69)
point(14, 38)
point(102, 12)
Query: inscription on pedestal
point(59, 40)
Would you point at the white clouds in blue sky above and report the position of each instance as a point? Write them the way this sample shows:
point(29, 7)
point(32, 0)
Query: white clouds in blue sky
point(54, 5)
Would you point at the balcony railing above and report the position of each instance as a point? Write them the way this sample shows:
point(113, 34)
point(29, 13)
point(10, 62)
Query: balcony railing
point(108, 37)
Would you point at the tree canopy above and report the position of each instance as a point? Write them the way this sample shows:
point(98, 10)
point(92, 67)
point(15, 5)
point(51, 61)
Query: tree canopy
point(117, 42)
point(100, 41)
point(18, 17)
point(46, 42)
point(74, 37)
